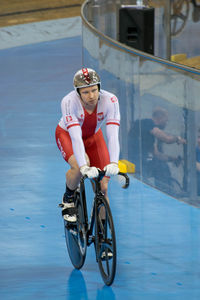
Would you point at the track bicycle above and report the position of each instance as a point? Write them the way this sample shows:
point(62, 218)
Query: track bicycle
point(98, 231)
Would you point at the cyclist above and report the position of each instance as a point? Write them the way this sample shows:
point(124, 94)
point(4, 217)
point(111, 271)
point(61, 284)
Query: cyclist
point(80, 138)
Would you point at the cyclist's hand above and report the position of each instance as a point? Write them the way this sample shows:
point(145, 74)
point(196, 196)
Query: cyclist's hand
point(111, 169)
point(91, 172)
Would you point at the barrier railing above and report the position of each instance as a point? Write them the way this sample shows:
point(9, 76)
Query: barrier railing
point(146, 84)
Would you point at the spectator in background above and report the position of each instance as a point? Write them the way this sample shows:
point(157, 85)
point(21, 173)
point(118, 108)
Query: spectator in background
point(146, 137)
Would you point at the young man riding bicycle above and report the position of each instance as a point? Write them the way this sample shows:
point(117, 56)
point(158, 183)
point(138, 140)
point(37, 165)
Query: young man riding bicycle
point(80, 138)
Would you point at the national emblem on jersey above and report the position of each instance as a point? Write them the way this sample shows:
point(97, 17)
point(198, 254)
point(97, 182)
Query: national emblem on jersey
point(113, 99)
point(100, 116)
point(68, 119)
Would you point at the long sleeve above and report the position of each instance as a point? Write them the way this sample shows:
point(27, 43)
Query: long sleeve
point(77, 144)
point(69, 110)
point(112, 132)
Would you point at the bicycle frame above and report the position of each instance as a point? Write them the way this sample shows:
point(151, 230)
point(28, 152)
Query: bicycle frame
point(89, 226)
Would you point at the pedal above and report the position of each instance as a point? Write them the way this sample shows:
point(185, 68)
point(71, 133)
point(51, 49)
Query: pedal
point(105, 256)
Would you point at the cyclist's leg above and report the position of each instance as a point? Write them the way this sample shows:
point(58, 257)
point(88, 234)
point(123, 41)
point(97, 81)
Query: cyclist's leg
point(64, 143)
point(73, 175)
point(104, 187)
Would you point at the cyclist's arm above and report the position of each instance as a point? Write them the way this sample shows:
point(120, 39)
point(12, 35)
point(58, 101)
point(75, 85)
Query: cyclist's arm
point(72, 125)
point(112, 132)
point(77, 145)
point(112, 129)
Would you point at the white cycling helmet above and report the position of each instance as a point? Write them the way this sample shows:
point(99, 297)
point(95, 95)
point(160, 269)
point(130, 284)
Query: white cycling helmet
point(86, 77)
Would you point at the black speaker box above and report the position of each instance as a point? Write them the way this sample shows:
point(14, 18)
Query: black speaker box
point(136, 27)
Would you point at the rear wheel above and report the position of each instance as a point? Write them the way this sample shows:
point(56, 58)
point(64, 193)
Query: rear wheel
point(76, 237)
point(105, 241)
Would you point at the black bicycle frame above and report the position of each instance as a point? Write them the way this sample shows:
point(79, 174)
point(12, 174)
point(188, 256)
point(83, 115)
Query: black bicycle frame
point(89, 226)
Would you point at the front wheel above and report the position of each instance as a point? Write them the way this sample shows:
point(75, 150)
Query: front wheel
point(76, 237)
point(105, 241)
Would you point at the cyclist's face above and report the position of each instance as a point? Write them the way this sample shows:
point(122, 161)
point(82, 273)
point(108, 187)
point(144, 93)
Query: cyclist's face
point(89, 96)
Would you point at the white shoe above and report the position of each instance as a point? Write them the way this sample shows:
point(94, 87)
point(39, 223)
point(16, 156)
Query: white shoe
point(69, 212)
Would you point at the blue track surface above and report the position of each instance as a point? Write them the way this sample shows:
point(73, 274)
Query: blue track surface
point(158, 238)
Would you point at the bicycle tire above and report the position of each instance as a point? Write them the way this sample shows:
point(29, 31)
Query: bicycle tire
point(105, 241)
point(76, 237)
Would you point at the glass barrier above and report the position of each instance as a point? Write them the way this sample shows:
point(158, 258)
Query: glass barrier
point(156, 96)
